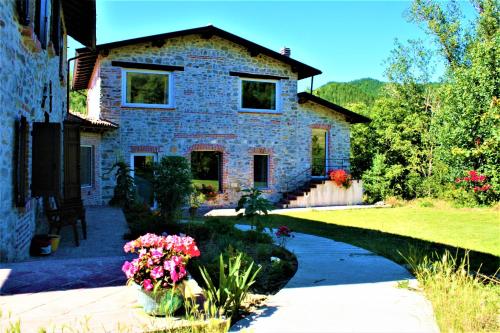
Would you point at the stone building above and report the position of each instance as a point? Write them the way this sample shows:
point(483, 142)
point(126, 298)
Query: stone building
point(33, 72)
point(228, 105)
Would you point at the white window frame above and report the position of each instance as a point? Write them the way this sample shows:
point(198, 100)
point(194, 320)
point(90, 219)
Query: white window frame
point(146, 105)
point(92, 167)
point(268, 171)
point(278, 95)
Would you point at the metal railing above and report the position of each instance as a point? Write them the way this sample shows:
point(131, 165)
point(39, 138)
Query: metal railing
point(318, 170)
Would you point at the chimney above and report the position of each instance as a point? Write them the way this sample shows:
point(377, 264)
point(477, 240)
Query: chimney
point(286, 51)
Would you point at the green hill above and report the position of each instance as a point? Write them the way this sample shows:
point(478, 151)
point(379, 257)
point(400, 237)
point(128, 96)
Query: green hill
point(363, 90)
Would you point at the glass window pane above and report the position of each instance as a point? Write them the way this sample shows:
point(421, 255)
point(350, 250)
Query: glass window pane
point(86, 165)
point(143, 179)
point(260, 171)
point(258, 95)
point(147, 88)
point(206, 170)
point(318, 146)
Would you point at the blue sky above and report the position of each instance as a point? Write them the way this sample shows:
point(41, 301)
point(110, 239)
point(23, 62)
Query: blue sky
point(347, 40)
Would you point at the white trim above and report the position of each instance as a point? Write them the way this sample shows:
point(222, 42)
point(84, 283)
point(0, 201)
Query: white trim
point(170, 88)
point(277, 102)
point(92, 167)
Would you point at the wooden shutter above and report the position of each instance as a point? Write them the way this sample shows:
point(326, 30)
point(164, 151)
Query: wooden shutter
point(21, 162)
point(56, 26)
point(23, 10)
point(72, 187)
point(41, 22)
point(46, 159)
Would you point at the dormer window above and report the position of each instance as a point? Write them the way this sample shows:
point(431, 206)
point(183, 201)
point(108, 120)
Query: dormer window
point(146, 88)
point(259, 95)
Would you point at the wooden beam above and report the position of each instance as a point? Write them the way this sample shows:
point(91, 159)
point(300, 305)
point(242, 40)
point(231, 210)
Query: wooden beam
point(138, 65)
point(258, 76)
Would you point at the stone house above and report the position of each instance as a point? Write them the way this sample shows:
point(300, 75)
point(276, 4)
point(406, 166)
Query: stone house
point(228, 105)
point(33, 72)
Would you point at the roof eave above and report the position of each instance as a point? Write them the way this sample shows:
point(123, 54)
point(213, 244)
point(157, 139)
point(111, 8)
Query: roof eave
point(80, 20)
point(303, 71)
point(351, 117)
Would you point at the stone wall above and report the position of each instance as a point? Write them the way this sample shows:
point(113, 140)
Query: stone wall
point(91, 195)
point(25, 70)
point(206, 114)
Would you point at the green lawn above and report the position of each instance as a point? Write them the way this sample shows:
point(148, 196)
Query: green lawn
point(475, 229)
point(213, 183)
point(410, 230)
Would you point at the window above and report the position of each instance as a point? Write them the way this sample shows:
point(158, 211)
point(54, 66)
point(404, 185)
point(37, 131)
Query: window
point(261, 171)
point(259, 95)
point(41, 22)
point(147, 88)
point(206, 167)
point(142, 171)
point(86, 166)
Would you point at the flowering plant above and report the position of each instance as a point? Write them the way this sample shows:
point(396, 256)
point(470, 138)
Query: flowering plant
point(283, 233)
point(474, 181)
point(161, 261)
point(341, 178)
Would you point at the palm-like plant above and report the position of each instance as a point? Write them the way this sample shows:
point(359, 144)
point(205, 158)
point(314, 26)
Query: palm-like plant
point(254, 206)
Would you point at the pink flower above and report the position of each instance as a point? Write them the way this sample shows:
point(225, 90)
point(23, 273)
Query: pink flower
point(157, 272)
point(147, 285)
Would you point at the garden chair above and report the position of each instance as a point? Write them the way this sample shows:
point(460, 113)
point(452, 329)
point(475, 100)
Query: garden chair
point(60, 214)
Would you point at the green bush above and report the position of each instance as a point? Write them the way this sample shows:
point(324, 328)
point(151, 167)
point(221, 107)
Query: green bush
point(172, 186)
point(220, 226)
point(254, 205)
point(375, 183)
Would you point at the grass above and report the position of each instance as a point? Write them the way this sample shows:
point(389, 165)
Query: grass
point(462, 302)
point(476, 229)
point(213, 183)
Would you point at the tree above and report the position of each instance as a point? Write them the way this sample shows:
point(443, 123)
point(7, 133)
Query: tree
point(469, 113)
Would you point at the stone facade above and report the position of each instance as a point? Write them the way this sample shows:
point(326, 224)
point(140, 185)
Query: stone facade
point(206, 114)
point(28, 73)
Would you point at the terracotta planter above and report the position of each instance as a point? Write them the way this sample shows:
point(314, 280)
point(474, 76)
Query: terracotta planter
point(162, 303)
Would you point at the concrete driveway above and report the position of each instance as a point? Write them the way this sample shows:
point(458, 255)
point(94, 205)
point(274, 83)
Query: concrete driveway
point(342, 288)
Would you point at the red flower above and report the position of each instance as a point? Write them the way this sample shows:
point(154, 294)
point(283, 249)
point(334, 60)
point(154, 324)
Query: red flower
point(341, 178)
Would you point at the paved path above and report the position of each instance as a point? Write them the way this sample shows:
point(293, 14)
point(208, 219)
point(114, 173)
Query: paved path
point(95, 263)
point(342, 288)
point(233, 212)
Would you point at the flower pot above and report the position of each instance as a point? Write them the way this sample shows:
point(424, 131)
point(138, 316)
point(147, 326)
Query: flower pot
point(161, 303)
point(54, 242)
point(40, 245)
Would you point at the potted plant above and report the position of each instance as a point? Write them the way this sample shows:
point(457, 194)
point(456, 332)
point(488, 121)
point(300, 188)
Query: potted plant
point(341, 178)
point(158, 269)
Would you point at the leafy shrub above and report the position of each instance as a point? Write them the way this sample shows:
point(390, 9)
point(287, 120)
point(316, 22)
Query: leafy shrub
point(220, 226)
point(234, 283)
point(254, 205)
point(124, 191)
point(172, 185)
point(375, 183)
point(253, 236)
